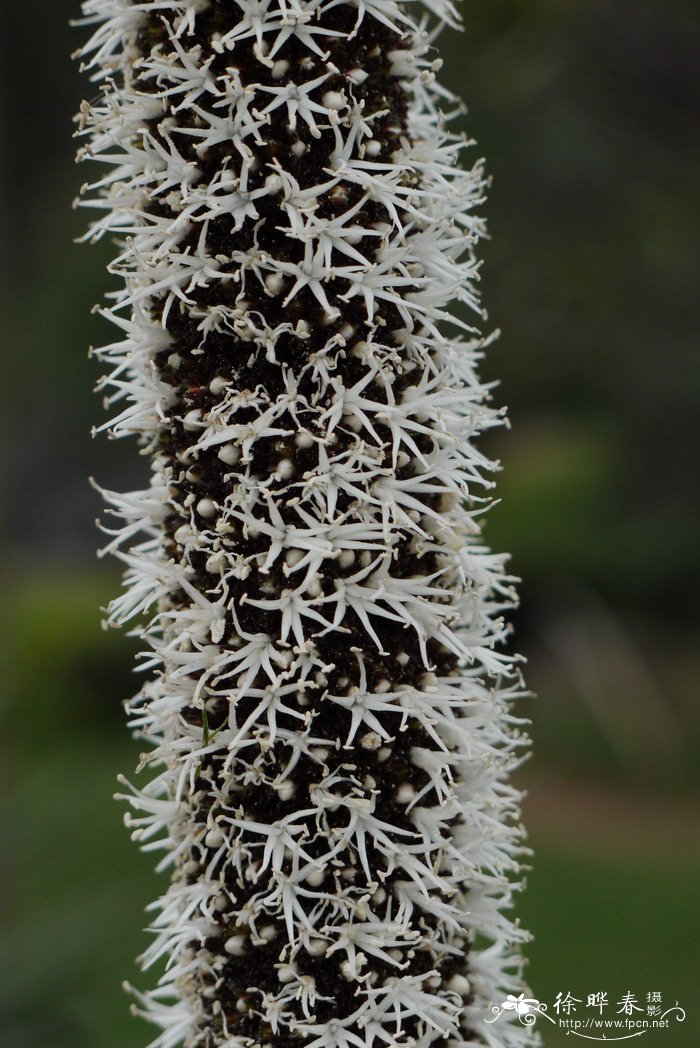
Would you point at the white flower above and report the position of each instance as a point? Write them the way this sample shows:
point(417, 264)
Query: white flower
point(328, 711)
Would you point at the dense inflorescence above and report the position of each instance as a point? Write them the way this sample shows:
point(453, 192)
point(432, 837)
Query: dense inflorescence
point(328, 713)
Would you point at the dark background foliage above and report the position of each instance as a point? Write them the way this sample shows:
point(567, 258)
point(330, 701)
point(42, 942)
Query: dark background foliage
point(588, 113)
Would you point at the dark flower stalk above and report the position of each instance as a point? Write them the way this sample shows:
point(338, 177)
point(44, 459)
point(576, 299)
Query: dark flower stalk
point(329, 715)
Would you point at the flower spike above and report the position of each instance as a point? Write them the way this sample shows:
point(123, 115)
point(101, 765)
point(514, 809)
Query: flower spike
point(327, 707)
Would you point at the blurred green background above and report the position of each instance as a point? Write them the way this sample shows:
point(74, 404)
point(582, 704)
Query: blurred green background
point(588, 113)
